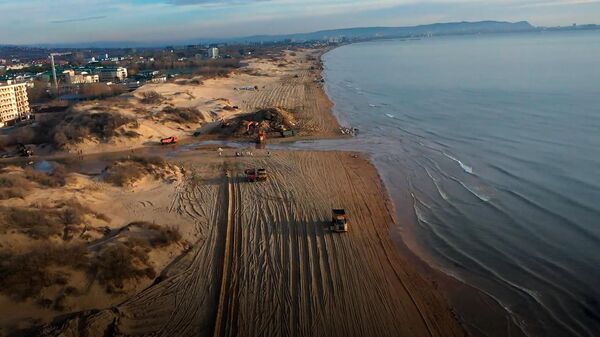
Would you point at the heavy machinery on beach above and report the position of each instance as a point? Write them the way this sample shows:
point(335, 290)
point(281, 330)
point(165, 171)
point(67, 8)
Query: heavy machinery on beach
point(24, 151)
point(168, 140)
point(262, 137)
point(287, 133)
point(339, 221)
point(254, 175)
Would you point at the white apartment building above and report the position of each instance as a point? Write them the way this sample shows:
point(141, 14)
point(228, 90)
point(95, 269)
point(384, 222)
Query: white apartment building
point(83, 77)
point(213, 53)
point(14, 103)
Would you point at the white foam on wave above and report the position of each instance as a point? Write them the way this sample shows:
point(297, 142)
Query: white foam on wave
point(478, 194)
point(390, 115)
point(465, 167)
point(437, 186)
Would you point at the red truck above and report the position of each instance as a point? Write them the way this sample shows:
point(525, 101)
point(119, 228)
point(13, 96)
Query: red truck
point(168, 140)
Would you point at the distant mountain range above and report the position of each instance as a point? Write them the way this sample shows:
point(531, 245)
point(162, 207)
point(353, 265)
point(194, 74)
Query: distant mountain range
point(394, 32)
point(347, 34)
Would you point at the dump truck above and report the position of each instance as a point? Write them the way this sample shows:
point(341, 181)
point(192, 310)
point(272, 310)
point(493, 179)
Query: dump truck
point(168, 140)
point(254, 175)
point(339, 221)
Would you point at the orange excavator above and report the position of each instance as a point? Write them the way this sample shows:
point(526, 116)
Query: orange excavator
point(262, 137)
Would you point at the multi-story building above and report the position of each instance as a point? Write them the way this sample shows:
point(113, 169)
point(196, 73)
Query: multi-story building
point(14, 103)
point(81, 78)
point(117, 74)
point(213, 53)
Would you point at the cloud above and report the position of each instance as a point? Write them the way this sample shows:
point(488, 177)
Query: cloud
point(213, 2)
point(89, 18)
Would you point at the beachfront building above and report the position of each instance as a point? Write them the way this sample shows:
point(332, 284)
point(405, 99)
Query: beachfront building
point(81, 78)
point(117, 74)
point(14, 103)
point(213, 53)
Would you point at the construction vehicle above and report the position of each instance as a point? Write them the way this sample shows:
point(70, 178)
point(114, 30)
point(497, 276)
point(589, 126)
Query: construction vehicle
point(287, 133)
point(254, 175)
point(168, 140)
point(262, 137)
point(339, 221)
point(261, 175)
point(24, 151)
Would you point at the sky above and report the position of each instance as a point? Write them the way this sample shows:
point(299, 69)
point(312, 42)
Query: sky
point(75, 21)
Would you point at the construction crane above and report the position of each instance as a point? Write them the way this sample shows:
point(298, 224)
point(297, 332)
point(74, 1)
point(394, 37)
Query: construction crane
point(54, 68)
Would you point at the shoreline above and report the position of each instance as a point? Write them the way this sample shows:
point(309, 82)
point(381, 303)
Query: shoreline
point(482, 311)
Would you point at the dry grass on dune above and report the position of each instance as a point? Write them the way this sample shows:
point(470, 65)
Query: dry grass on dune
point(71, 127)
point(45, 221)
point(127, 171)
point(26, 275)
point(19, 183)
point(50, 264)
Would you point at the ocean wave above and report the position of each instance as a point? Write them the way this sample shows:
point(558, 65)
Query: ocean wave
point(478, 194)
point(465, 167)
point(390, 115)
point(436, 183)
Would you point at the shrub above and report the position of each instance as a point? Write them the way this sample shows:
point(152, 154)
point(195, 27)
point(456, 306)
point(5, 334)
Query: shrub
point(45, 222)
point(10, 193)
point(159, 236)
point(101, 90)
point(122, 174)
point(24, 276)
point(117, 263)
point(151, 97)
point(181, 115)
point(37, 223)
point(165, 236)
point(55, 179)
point(131, 134)
point(70, 127)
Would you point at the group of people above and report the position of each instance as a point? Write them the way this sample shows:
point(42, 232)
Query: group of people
point(349, 131)
point(241, 153)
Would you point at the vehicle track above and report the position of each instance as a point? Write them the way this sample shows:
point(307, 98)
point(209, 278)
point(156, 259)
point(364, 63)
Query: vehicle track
point(291, 277)
point(266, 264)
point(183, 304)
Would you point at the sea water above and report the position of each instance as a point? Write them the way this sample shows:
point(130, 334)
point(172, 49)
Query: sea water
point(492, 142)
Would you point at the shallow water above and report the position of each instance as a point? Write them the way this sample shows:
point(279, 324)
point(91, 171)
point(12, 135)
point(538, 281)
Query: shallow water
point(495, 140)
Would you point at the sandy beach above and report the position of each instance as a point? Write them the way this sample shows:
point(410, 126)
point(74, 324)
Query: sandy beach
point(291, 82)
point(252, 259)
